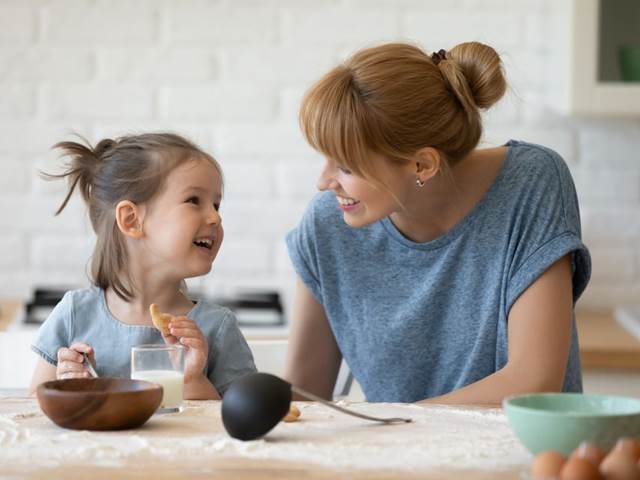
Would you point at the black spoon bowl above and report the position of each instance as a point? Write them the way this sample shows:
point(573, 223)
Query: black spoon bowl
point(255, 403)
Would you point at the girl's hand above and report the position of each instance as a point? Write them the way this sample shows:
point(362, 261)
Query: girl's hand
point(70, 361)
point(185, 331)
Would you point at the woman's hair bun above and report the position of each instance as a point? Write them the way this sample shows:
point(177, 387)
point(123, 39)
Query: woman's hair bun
point(481, 66)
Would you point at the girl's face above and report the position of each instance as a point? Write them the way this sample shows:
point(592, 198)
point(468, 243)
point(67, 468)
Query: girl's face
point(361, 202)
point(182, 224)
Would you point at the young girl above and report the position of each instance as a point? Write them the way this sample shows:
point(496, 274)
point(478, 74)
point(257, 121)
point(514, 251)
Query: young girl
point(154, 203)
point(435, 269)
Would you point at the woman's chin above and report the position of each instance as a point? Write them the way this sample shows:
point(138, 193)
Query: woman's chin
point(357, 221)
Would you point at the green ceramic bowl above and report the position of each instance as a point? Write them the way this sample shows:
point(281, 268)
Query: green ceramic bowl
point(561, 421)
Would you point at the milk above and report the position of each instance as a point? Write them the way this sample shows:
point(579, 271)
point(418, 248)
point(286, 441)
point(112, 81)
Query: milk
point(172, 382)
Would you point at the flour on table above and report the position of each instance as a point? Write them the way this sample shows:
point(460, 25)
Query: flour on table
point(439, 436)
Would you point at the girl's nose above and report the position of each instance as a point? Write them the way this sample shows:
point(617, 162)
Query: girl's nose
point(213, 216)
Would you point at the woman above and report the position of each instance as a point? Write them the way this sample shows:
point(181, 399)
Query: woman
point(437, 270)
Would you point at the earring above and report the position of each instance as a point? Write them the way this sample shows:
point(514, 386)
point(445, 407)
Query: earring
point(419, 182)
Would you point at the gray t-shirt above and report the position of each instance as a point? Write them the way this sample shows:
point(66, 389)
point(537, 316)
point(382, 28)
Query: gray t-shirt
point(83, 316)
point(417, 320)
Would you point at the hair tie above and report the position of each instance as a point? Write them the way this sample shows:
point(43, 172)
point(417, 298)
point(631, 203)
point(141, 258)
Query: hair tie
point(438, 56)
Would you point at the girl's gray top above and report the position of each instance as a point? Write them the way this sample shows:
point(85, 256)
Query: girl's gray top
point(83, 316)
point(417, 320)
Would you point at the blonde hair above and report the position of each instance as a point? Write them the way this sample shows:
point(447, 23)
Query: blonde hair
point(132, 168)
point(394, 100)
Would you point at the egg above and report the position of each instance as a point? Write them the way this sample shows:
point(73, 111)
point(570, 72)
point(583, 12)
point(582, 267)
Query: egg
point(547, 464)
point(578, 468)
point(619, 465)
point(590, 452)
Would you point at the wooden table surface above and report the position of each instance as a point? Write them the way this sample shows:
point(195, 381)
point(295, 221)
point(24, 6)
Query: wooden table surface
point(442, 442)
point(604, 343)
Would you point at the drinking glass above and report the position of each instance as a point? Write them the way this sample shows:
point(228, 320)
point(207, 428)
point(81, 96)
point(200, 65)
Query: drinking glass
point(164, 365)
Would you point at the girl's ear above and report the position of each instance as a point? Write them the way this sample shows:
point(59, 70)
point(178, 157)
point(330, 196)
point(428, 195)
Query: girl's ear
point(129, 219)
point(428, 163)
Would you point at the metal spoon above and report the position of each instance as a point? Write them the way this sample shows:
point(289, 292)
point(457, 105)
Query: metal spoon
point(315, 398)
point(86, 363)
point(256, 403)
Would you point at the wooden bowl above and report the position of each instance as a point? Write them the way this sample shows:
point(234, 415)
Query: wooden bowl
point(99, 403)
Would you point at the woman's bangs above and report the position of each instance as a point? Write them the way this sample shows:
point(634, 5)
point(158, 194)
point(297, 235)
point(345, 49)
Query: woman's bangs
point(331, 123)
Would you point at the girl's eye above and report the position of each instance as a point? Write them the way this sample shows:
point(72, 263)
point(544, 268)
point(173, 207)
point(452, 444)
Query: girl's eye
point(216, 206)
point(344, 170)
point(194, 200)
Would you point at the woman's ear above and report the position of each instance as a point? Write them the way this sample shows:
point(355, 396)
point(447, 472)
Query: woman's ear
point(129, 219)
point(428, 163)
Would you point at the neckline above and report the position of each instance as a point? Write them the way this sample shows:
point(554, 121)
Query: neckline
point(465, 222)
point(107, 312)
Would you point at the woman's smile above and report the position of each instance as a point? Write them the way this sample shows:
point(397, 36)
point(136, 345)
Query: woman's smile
point(347, 204)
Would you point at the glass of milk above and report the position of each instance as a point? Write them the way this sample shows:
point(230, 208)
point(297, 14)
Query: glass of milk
point(164, 365)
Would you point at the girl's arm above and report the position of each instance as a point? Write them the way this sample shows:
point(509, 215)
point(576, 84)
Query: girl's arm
point(539, 337)
point(70, 365)
point(200, 388)
point(184, 331)
point(313, 356)
point(43, 372)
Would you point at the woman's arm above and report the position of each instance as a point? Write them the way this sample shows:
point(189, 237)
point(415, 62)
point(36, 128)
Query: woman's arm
point(313, 356)
point(539, 336)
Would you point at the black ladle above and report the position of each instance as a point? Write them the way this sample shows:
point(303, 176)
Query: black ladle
point(256, 403)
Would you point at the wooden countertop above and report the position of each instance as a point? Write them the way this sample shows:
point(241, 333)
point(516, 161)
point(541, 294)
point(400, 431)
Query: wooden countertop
point(8, 313)
point(441, 442)
point(604, 343)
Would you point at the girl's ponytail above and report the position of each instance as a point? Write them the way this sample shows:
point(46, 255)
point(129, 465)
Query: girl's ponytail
point(82, 167)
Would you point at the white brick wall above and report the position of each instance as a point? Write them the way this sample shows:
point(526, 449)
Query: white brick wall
point(230, 75)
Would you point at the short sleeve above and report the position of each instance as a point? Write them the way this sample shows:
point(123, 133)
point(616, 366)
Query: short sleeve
point(231, 357)
point(547, 255)
point(303, 252)
point(550, 230)
point(55, 332)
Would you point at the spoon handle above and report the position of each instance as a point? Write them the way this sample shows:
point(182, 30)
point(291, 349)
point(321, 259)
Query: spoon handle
point(87, 364)
point(315, 398)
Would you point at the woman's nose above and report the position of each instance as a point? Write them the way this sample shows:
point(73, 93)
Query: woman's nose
point(326, 180)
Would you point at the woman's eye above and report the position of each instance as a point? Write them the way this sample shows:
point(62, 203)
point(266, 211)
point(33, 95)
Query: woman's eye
point(194, 200)
point(344, 170)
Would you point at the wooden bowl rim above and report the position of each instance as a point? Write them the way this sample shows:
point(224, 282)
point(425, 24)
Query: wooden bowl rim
point(45, 387)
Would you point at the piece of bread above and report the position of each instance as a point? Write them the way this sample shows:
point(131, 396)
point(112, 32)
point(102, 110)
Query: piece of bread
point(293, 415)
point(160, 320)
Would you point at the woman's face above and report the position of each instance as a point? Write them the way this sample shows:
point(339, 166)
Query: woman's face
point(362, 202)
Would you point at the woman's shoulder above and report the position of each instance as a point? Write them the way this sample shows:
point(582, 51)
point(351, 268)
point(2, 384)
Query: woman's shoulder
point(323, 207)
point(531, 158)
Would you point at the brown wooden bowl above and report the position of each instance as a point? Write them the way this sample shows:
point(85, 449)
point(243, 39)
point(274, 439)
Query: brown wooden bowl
point(99, 403)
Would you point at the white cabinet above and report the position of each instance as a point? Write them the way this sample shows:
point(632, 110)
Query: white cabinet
point(17, 361)
point(584, 73)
